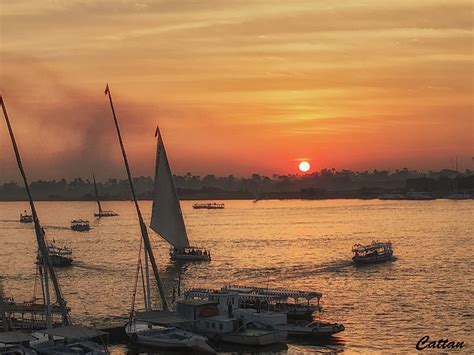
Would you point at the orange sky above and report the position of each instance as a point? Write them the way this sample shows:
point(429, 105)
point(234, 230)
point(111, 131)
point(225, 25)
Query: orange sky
point(237, 86)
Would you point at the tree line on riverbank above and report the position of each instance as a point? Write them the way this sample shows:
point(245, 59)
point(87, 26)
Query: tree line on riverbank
point(323, 184)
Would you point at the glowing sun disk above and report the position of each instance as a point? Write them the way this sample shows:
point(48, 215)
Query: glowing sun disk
point(304, 166)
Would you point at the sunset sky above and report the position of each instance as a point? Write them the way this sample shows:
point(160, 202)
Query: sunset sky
point(237, 87)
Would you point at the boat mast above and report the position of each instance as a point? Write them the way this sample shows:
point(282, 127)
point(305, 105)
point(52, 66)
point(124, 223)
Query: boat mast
point(96, 194)
point(38, 230)
point(143, 229)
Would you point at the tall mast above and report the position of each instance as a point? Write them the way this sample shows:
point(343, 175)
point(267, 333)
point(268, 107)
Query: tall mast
point(38, 230)
point(143, 229)
point(97, 199)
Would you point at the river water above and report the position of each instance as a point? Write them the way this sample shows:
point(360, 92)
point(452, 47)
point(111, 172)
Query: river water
point(428, 290)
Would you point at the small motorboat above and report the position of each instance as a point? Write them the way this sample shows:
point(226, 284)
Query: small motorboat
point(209, 206)
point(80, 225)
point(313, 329)
point(60, 256)
point(190, 253)
point(26, 218)
point(166, 337)
point(375, 252)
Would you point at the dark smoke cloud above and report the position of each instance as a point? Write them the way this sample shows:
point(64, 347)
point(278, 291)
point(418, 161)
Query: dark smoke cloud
point(65, 131)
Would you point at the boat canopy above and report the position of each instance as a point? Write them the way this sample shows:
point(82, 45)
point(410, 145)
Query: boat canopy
point(206, 293)
point(166, 216)
point(75, 332)
point(373, 246)
point(279, 292)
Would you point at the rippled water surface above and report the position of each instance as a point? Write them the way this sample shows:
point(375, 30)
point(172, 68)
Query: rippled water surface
point(428, 290)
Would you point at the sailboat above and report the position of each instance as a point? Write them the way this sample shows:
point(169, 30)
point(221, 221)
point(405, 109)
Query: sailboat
point(72, 333)
point(101, 213)
point(166, 216)
point(144, 332)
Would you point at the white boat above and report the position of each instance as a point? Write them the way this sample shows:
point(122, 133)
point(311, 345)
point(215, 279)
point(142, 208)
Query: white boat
point(252, 318)
point(166, 217)
point(216, 315)
point(296, 304)
point(315, 329)
point(166, 337)
point(101, 213)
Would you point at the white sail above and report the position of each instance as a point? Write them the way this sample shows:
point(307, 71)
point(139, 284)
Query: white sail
point(166, 217)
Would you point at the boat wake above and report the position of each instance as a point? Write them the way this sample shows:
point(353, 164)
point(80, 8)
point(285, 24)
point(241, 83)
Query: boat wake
point(56, 227)
point(296, 271)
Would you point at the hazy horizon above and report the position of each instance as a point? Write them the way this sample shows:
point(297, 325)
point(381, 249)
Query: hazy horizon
point(236, 87)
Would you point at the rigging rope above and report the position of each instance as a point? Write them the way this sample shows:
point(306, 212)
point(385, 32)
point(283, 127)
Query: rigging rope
point(135, 286)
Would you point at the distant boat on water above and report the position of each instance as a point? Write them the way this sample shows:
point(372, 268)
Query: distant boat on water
point(80, 225)
point(209, 206)
point(375, 252)
point(26, 218)
point(101, 212)
point(166, 217)
point(60, 256)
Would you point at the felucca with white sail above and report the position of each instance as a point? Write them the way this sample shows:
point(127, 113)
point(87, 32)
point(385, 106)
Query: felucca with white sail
point(139, 330)
point(166, 217)
point(72, 335)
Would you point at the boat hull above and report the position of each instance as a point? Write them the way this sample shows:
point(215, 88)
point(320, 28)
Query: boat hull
point(372, 259)
point(314, 332)
point(58, 261)
point(251, 337)
point(80, 229)
point(190, 257)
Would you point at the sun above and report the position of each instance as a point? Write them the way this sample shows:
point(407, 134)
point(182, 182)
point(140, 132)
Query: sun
point(304, 166)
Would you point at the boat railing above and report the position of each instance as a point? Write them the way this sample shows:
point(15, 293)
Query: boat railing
point(295, 294)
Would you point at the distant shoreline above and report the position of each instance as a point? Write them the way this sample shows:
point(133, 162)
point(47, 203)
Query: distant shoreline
point(249, 199)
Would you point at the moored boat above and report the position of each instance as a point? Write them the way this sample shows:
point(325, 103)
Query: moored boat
point(166, 337)
point(296, 304)
point(217, 316)
point(266, 319)
point(314, 329)
point(375, 252)
point(80, 225)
